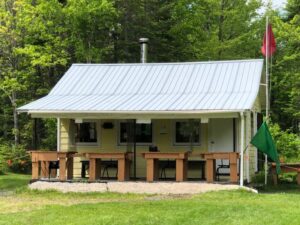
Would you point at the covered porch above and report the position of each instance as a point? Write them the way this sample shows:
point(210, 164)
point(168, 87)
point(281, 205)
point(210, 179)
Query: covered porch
point(164, 148)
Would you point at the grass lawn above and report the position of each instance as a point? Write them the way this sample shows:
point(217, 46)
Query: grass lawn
point(227, 207)
point(11, 182)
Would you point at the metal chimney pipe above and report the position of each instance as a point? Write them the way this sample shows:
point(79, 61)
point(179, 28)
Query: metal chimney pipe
point(144, 48)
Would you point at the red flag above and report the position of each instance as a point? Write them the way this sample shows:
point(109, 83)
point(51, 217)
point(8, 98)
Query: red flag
point(271, 42)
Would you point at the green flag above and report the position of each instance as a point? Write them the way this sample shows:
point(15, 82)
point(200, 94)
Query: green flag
point(263, 141)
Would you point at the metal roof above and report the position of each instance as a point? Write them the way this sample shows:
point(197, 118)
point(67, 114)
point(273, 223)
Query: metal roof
point(154, 87)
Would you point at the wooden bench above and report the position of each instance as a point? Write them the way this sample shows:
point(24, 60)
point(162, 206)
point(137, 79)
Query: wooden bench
point(286, 168)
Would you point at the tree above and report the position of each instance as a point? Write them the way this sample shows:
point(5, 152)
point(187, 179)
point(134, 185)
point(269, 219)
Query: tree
point(144, 18)
point(286, 69)
point(214, 30)
point(13, 67)
point(90, 25)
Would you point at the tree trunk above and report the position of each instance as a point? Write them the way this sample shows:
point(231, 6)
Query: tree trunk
point(220, 34)
point(15, 114)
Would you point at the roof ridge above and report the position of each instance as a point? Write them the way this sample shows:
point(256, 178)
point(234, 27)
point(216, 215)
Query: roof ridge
point(167, 63)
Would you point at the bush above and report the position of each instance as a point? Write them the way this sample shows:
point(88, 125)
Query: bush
point(14, 159)
point(288, 143)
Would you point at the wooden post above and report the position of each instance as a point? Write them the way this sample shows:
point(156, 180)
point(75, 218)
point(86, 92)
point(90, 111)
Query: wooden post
point(44, 169)
point(70, 168)
point(35, 170)
point(181, 171)
point(62, 168)
point(274, 175)
point(233, 167)
point(92, 169)
point(53, 173)
point(152, 170)
point(122, 170)
point(210, 170)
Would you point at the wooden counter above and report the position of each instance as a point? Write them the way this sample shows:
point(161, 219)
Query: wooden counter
point(211, 157)
point(45, 157)
point(95, 164)
point(152, 164)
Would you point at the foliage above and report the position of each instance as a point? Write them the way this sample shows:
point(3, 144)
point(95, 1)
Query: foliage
point(286, 76)
point(214, 30)
point(288, 143)
point(49, 138)
point(40, 39)
point(14, 158)
point(90, 25)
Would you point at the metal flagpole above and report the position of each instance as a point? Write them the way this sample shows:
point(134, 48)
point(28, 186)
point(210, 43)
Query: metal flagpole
point(267, 91)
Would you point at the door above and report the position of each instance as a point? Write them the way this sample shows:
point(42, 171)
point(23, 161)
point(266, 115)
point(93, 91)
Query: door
point(220, 138)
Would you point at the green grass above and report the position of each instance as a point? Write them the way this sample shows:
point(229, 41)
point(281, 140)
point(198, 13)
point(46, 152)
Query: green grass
point(226, 207)
point(12, 181)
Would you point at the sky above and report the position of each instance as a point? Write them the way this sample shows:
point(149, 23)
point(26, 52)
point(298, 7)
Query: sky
point(279, 3)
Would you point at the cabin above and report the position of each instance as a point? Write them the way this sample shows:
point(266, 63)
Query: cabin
point(197, 116)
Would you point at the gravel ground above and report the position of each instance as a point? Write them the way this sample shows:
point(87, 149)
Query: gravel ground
point(135, 187)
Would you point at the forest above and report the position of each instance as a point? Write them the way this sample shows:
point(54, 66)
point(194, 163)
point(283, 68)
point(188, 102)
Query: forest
point(40, 39)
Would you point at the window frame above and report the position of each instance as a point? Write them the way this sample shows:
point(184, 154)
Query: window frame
point(97, 143)
point(185, 143)
point(137, 143)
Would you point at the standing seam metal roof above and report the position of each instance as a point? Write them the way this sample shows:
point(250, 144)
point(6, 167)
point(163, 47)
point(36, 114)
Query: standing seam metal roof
point(195, 86)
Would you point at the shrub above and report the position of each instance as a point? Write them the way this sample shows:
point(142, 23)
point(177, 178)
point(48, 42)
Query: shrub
point(14, 159)
point(288, 143)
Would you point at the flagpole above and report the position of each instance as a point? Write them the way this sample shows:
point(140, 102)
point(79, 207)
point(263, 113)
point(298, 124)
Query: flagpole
point(267, 92)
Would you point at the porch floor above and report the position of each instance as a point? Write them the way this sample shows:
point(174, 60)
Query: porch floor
point(138, 187)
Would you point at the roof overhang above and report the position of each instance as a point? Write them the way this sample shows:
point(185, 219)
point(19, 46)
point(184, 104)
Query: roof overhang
point(136, 114)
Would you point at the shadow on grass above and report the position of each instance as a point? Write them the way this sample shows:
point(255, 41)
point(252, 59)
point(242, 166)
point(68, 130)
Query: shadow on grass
point(280, 188)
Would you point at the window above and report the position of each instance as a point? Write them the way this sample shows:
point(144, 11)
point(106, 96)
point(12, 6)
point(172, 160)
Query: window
point(86, 132)
point(143, 133)
point(187, 131)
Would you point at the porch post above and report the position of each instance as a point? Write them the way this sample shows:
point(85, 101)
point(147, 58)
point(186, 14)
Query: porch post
point(58, 135)
point(58, 144)
point(248, 139)
point(253, 133)
point(242, 149)
point(134, 149)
